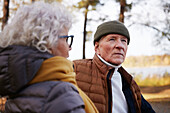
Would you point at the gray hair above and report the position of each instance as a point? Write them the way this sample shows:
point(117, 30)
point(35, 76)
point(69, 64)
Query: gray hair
point(37, 25)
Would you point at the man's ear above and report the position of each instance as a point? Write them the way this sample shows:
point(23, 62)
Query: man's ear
point(96, 47)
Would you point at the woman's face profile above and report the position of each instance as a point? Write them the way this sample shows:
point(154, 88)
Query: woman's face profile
point(61, 48)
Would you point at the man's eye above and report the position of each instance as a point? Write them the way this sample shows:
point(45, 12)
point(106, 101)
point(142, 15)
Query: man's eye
point(112, 39)
point(124, 40)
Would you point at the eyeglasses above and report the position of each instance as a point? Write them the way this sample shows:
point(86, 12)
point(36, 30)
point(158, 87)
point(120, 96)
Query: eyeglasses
point(69, 39)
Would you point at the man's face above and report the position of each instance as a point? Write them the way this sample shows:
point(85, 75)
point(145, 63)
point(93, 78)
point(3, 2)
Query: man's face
point(112, 48)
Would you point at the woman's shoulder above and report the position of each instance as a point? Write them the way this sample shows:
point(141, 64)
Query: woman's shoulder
point(52, 97)
point(63, 97)
point(50, 87)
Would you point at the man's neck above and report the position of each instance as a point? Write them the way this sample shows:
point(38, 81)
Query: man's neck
point(107, 63)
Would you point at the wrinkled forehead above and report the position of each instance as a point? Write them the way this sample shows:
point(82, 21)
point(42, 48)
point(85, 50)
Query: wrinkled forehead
point(113, 36)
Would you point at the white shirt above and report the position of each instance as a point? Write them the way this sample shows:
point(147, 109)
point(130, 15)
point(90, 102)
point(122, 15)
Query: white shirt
point(119, 103)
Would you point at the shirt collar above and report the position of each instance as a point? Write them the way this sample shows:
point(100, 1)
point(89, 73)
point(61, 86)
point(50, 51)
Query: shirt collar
point(107, 63)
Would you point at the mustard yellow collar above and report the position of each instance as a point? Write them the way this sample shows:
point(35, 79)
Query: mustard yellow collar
point(60, 69)
point(55, 69)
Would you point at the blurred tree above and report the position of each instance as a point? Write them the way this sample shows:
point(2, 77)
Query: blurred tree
point(142, 17)
point(8, 11)
point(84, 4)
point(49, 1)
point(5, 13)
point(124, 7)
point(122, 10)
point(146, 16)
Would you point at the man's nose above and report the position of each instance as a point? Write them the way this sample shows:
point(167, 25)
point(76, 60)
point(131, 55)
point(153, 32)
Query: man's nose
point(119, 44)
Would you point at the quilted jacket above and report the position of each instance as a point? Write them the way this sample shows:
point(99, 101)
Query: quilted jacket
point(19, 65)
point(94, 78)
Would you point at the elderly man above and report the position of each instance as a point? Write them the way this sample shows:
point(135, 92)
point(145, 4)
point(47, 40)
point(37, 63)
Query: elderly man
point(104, 80)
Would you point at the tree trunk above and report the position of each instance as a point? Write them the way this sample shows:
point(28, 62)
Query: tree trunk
point(85, 32)
point(122, 10)
point(5, 13)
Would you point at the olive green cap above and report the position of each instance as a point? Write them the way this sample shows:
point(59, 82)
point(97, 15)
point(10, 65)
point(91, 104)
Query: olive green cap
point(111, 27)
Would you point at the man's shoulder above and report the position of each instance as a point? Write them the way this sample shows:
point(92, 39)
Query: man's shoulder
point(82, 61)
point(82, 64)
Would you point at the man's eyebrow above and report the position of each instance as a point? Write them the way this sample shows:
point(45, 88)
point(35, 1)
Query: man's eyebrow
point(112, 37)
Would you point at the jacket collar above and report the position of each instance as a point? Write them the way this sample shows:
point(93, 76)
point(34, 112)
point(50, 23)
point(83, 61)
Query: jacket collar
point(103, 68)
point(125, 75)
point(55, 69)
point(107, 63)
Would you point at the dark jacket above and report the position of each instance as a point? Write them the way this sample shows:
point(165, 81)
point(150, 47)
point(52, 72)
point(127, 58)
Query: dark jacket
point(18, 67)
point(94, 78)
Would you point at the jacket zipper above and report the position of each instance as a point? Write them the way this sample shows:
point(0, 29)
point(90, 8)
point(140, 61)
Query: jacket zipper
point(109, 90)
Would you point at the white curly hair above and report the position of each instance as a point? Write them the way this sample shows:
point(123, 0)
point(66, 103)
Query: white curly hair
point(38, 25)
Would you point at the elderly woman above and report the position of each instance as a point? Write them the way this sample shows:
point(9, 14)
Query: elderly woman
point(34, 71)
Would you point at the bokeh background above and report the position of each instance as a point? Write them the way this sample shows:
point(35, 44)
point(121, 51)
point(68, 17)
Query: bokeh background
point(148, 21)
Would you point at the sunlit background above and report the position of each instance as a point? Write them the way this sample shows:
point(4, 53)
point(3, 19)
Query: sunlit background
point(143, 38)
point(148, 56)
point(148, 22)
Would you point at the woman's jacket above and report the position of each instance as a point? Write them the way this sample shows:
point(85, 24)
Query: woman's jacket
point(34, 83)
